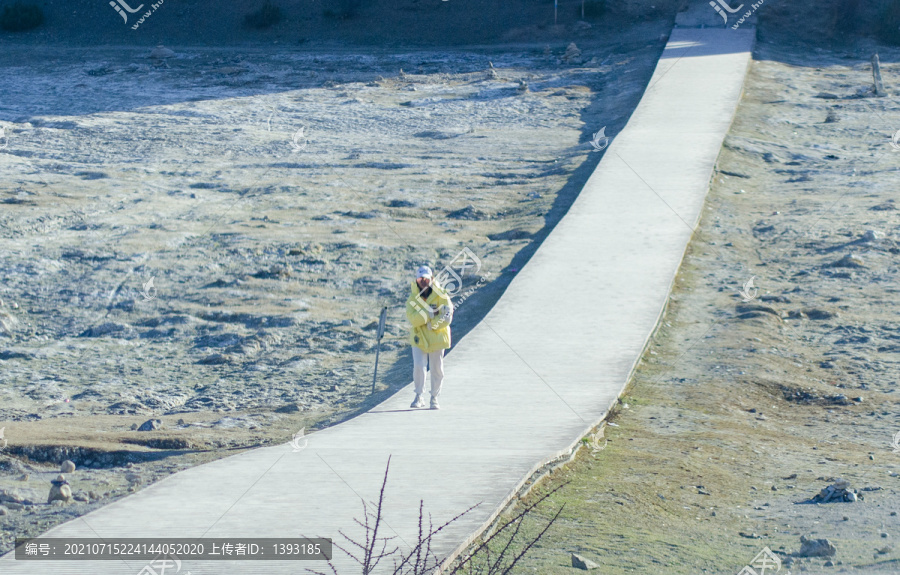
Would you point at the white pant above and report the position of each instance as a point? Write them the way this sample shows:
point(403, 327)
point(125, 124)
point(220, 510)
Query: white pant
point(436, 360)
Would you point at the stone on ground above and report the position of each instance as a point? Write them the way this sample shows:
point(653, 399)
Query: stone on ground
point(583, 563)
point(60, 490)
point(816, 548)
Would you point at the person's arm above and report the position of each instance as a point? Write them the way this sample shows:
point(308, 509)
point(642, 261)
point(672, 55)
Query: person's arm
point(446, 317)
point(418, 312)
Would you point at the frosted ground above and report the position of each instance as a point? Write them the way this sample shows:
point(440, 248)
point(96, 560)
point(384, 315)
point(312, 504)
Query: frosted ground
point(277, 200)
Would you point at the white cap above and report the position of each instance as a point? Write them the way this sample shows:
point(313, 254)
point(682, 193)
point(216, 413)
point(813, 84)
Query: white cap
point(423, 272)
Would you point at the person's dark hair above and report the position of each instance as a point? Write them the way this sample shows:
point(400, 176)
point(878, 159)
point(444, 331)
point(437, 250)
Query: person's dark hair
point(425, 292)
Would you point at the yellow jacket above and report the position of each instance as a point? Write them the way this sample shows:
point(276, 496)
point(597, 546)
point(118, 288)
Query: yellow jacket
point(429, 331)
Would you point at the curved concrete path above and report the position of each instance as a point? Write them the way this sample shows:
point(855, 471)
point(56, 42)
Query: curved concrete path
point(522, 388)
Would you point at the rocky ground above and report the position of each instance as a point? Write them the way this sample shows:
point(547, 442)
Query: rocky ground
point(752, 398)
point(206, 237)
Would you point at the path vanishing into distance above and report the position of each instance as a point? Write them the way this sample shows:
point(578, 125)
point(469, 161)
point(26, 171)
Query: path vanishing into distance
point(524, 386)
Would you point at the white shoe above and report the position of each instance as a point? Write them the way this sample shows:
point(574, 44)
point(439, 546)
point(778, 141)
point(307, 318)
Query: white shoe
point(434, 403)
point(419, 401)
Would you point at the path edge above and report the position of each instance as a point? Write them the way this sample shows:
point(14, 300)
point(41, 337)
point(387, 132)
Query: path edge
point(544, 468)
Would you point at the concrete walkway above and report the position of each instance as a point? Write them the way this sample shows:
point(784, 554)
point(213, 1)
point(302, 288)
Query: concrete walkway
point(522, 388)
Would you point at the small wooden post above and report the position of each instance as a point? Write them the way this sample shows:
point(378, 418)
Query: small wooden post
point(381, 321)
point(876, 73)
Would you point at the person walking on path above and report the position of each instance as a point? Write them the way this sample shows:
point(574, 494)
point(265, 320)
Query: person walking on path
point(429, 311)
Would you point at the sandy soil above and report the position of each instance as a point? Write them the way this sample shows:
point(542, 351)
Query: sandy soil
point(741, 410)
point(271, 250)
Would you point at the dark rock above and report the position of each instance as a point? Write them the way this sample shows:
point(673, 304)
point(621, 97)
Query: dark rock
point(819, 314)
point(275, 272)
point(215, 359)
point(848, 261)
point(150, 425)
point(582, 563)
point(288, 408)
point(60, 490)
point(400, 204)
point(86, 256)
point(839, 491)
point(91, 175)
point(888, 205)
point(105, 329)
point(360, 215)
point(815, 548)
point(467, 213)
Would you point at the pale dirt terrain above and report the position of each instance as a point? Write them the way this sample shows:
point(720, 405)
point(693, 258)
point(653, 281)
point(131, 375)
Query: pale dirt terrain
point(271, 250)
point(740, 410)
